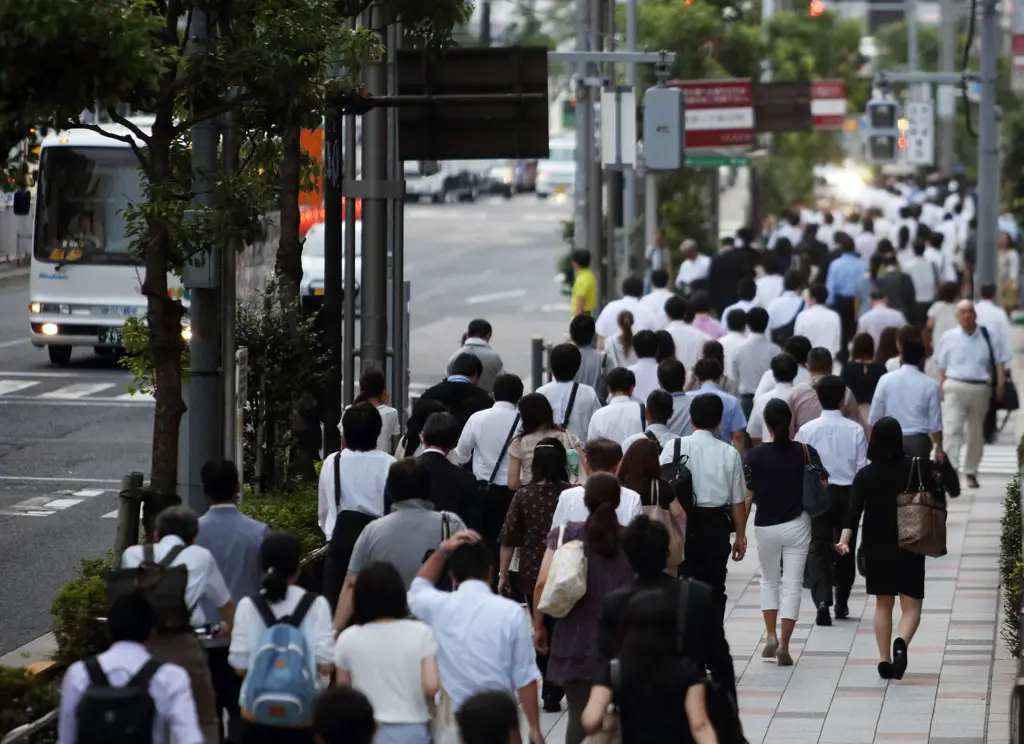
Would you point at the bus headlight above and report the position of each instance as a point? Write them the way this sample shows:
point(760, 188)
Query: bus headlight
point(49, 329)
point(186, 333)
point(35, 307)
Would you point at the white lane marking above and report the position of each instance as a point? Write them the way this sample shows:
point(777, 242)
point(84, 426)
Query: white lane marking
point(20, 400)
point(12, 386)
point(36, 503)
point(79, 390)
point(88, 493)
point(15, 342)
point(510, 294)
point(12, 513)
point(110, 515)
point(48, 479)
point(61, 375)
point(62, 503)
point(137, 397)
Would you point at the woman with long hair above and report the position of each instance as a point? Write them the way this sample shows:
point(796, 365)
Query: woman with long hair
point(666, 346)
point(640, 470)
point(888, 569)
point(410, 444)
point(526, 529)
point(862, 373)
point(653, 680)
point(281, 596)
point(905, 333)
point(389, 657)
point(537, 422)
point(620, 347)
point(373, 390)
point(574, 662)
point(886, 348)
point(774, 473)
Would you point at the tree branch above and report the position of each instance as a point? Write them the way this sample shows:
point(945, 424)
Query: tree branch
point(184, 37)
point(128, 140)
point(127, 124)
point(352, 8)
point(211, 113)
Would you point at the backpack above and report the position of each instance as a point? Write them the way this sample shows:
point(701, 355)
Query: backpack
point(162, 584)
point(679, 476)
point(783, 333)
point(280, 688)
point(116, 715)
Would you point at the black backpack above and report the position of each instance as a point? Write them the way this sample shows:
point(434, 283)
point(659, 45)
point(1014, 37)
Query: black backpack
point(116, 715)
point(783, 333)
point(679, 477)
point(162, 584)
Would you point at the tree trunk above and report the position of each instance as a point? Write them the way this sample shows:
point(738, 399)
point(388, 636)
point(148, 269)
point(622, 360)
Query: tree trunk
point(289, 249)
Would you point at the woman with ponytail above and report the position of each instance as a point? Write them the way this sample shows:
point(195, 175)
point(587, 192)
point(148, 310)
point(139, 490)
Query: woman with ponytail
point(620, 346)
point(573, 659)
point(281, 596)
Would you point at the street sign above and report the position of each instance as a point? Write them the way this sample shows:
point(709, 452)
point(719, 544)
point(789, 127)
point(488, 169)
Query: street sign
point(618, 127)
point(717, 161)
point(921, 132)
point(241, 395)
point(1017, 63)
point(719, 114)
point(782, 107)
point(828, 104)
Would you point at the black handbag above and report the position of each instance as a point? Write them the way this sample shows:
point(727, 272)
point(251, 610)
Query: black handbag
point(1010, 401)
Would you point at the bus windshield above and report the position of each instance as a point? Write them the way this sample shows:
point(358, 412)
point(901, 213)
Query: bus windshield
point(83, 193)
point(562, 154)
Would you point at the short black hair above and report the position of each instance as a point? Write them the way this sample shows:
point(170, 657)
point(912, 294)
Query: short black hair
point(131, 618)
point(736, 320)
point(912, 352)
point(361, 423)
point(757, 320)
point(508, 388)
point(784, 367)
point(676, 307)
point(659, 278)
point(706, 370)
point(645, 344)
point(659, 407)
point(372, 383)
point(792, 281)
point(672, 375)
point(603, 455)
point(441, 430)
point(633, 286)
point(581, 258)
point(565, 361)
point(706, 411)
point(819, 361)
point(378, 594)
point(988, 291)
point(583, 329)
point(645, 544)
point(701, 301)
point(343, 714)
point(799, 347)
point(408, 478)
point(471, 560)
point(819, 293)
point(488, 718)
point(770, 262)
point(467, 365)
point(713, 349)
point(220, 480)
point(831, 390)
point(919, 246)
point(479, 328)
point(747, 289)
point(621, 380)
point(179, 521)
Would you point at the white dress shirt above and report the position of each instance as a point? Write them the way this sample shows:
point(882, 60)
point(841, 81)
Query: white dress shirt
point(769, 287)
point(909, 396)
point(170, 689)
point(572, 508)
point(662, 433)
point(750, 361)
point(617, 421)
point(689, 342)
point(840, 443)
point(783, 309)
point(483, 438)
point(866, 244)
point(716, 468)
point(646, 373)
point(654, 304)
point(965, 357)
point(996, 322)
point(755, 426)
point(316, 627)
point(822, 326)
point(744, 305)
point(390, 427)
point(925, 276)
point(730, 342)
point(680, 413)
point(363, 477)
point(484, 642)
point(205, 580)
point(877, 319)
point(768, 380)
point(693, 270)
point(608, 321)
point(583, 408)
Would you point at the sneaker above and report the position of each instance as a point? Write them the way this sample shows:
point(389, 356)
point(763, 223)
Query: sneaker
point(783, 657)
point(771, 645)
point(824, 617)
point(972, 481)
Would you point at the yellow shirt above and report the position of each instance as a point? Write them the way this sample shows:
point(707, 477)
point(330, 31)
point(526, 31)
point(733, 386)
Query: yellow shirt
point(584, 286)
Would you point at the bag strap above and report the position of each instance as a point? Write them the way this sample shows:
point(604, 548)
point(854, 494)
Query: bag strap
point(643, 417)
point(337, 479)
point(299, 613)
point(991, 351)
point(682, 610)
point(677, 452)
point(171, 555)
point(651, 435)
point(504, 450)
point(446, 526)
point(143, 677)
point(97, 677)
point(148, 553)
point(568, 408)
point(561, 535)
point(807, 455)
point(263, 607)
point(615, 674)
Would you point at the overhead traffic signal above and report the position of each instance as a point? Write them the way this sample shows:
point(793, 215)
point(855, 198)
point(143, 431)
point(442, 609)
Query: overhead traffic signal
point(885, 138)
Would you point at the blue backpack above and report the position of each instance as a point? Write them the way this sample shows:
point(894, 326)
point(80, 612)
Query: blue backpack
point(280, 687)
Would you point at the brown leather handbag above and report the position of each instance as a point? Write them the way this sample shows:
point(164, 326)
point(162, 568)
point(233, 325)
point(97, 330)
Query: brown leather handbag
point(921, 516)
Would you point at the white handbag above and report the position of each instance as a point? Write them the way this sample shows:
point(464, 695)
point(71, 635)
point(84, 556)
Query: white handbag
point(567, 578)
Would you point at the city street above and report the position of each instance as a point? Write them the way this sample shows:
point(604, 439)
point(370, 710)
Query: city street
point(67, 436)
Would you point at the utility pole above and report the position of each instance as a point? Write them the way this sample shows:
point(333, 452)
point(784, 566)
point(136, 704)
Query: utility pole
point(634, 248)
point(613, 176)
point(333, 247)
point(988, 146)
point(946, 99)
point(594, 195)
point(228, 299)
point(201, 426)
point(584, 135)
point(485, 23)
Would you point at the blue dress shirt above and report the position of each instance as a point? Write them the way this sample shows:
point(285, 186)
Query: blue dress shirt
point(843, 275)
point(909, 396)
point(733, 419)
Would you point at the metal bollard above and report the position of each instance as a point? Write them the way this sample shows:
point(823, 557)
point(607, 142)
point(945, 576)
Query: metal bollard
point(547, 362)
point(129, 514)
point(536, 362)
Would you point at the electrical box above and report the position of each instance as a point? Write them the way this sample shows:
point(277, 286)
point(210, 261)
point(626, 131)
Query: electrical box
point(664, 128)
point(883, 134)
point(200, 270)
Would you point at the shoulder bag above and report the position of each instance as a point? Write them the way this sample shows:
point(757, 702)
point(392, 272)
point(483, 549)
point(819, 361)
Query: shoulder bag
point(611, 728)
point(567, 578)
point(572, 457)
point(676, 528)
point(1010, 401)
point(815, 492)
point(920, 517)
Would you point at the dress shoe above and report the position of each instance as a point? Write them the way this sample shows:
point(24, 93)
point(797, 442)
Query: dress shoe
point(824, 618)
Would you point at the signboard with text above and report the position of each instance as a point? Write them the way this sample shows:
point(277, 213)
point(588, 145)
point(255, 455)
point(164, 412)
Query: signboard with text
point(828, 104)
point(920, 132)
point(719, 115)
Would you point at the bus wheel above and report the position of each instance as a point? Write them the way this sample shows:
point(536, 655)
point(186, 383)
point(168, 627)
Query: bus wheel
point(59, 355)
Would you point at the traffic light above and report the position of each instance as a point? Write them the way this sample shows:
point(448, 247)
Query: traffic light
point(817, 7)
point(884, 136)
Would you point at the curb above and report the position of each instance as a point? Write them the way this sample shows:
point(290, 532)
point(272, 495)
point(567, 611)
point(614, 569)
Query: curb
point(14, 278)
point(35, 657)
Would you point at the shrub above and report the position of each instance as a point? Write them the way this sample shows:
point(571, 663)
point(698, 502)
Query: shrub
point(74, 611)
point(25, 698)
point(1011, 568)
point(291, 511)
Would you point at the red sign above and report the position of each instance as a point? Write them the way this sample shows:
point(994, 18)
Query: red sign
point(828, 104)
point(719, 114)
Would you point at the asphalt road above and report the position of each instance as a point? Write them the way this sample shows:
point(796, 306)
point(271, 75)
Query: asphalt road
point(67, 436)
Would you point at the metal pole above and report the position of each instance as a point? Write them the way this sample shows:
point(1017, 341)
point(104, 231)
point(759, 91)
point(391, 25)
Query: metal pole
point(398, 365)
point(227, 314)
point(950, 23)
point(584, 134)
point(910, 14)
point(594, 195)
point(348, 334)
point(613, 176)
point(374, 284)
point(203, 402)
point(333, 289)
point(536, 362)
point(485, 25)
point(650, 206)
point(633, 248)
point(988, 147)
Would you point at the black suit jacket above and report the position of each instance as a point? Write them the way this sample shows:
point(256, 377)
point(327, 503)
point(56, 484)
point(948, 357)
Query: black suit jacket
point(461, 398)
point(452, 488)
point(726, 271)
point(704, 643)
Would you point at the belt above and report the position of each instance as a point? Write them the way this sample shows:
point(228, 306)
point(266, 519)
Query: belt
point(970, 382)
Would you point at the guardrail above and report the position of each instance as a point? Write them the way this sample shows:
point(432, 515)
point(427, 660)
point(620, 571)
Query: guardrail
point(540, 365)
point(24, 734)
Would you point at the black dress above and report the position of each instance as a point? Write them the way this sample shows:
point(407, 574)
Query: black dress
point(862, 379)
point(889, 570)
point(654, 714)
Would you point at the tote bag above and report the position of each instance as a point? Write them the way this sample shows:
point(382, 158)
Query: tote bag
point(567, 578)
point(920, 517)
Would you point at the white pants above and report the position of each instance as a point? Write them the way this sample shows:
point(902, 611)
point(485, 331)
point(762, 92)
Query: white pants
point(782, 551)
point(963, 415)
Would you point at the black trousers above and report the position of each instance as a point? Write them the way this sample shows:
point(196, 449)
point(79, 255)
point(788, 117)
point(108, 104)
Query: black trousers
point(708, 548)
point(227, 685)
point(846, 308)
point(917, 445)
point(747, 403)
point(826, 567)
point(494, 503)
point(347, 530)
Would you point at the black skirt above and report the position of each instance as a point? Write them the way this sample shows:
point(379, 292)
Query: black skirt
point(254, 733)
point(889, 572)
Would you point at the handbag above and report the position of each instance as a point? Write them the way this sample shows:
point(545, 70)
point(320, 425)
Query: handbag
point(567, 578)
point(1010, 401)
point(676, 528)
point(921, 517)
point(816, 498)
point(611, 727)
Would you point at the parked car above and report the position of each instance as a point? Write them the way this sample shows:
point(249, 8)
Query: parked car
point(439, 182)
point(311, 288)
point(557, 173)
point(499, 178)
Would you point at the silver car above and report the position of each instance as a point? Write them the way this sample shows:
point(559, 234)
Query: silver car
point(311, 288)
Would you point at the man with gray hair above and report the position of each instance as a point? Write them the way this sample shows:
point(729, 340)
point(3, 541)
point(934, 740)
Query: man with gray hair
point(175, 535)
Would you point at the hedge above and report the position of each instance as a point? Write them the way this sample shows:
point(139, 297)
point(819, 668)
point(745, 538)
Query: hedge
point(25, 698)
point(1011, 568)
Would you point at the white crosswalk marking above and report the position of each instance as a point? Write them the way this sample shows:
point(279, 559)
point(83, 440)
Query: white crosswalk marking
point(79, 390)
point(136, 397)
point(13, 386)
point(996, 459)
point(110, 515)
point(62, 503)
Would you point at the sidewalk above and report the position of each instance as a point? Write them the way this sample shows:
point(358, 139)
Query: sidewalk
point(956, 690)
